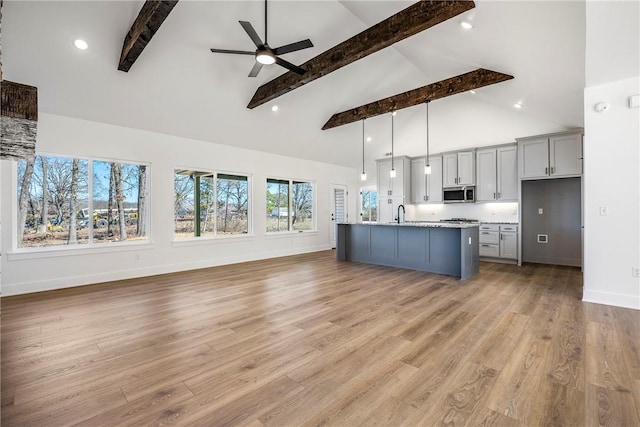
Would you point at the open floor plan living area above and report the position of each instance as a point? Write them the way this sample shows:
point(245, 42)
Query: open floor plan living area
point(320, 213)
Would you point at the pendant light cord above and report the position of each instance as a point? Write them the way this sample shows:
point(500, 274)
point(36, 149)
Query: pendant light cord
point(392, 168)
point(363, 146)
point(428, 131)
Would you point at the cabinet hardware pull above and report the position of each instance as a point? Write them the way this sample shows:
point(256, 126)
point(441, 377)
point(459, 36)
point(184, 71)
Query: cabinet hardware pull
point(494, 195)
point(546, 171)
point(499, 195)
point(552, 170)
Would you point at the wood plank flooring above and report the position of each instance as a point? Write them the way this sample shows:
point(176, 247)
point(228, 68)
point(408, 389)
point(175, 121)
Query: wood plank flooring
point(308, 341)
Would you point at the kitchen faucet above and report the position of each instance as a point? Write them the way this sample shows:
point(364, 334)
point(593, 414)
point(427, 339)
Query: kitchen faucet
point(403, 213)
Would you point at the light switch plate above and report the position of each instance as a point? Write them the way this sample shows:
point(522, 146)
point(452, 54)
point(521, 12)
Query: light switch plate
point(634, 101)
point(604, 211)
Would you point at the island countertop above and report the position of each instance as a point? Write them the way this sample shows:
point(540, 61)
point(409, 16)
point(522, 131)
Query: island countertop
point(428, 224)
point(437, 247)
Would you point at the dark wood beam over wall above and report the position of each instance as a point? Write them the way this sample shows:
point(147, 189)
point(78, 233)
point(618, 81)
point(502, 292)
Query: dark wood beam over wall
point(451, 86)
point(18, 120)
point(151, 16)
point(412, 20)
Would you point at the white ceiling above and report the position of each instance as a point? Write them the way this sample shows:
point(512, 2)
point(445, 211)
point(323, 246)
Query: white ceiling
point(178, 87)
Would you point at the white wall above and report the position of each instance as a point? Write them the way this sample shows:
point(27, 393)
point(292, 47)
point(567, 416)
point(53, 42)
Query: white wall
point(30, 272)
point(612, 179)
point(487, 212)
point(612, 154)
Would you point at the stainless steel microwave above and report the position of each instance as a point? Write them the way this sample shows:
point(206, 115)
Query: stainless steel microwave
point(459, 194)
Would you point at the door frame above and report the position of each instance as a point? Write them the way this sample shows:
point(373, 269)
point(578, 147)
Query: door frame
point(332, 209)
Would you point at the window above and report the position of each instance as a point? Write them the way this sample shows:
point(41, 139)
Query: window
point(369, 207)
point(207, 204)
point(285, 196)
point(72, 201)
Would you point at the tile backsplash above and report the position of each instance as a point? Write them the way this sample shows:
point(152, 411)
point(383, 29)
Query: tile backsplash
point(490, 212)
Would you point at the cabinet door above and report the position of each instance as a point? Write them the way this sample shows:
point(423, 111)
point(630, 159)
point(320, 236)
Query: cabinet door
point(450, 170)
point(397, 183)
point(534, 158)
point(486, 188)
point(418, 181)
point(509, 245)
point(466, 168)
point(565, 155)
point(384, 188)
point(434, 181)
point(384, 210)
point(507, 173)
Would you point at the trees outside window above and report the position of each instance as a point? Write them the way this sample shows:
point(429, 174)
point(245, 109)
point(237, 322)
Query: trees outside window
point(369, 207)
point(59, 205)
point(289, 205)
point(210, 204)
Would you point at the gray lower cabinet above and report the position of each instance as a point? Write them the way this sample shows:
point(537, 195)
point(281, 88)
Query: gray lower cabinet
point(443, 250)
point(498, 241)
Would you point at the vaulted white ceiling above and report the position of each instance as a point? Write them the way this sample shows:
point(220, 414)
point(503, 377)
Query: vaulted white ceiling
point(178, 87)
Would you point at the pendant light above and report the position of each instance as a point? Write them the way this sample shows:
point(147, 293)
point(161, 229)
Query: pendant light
point(392, 172)
point(363, 176)
point(427, 166)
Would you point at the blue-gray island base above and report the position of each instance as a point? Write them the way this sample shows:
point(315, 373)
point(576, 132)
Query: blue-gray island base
point(450, 249)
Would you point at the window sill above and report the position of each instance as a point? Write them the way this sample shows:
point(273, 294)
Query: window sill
point(192, 241)
point(62, 251)
point(284, 234)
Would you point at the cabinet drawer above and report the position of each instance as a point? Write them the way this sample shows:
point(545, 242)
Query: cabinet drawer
point(489, 227)
point(489, 250)
point(492, 237)
point(513, 228)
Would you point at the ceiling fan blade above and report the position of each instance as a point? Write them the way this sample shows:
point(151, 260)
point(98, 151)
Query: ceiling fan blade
point(255, 70)
point(252, 33)
point(304, 44)
point(289, 66)
point(237, 52)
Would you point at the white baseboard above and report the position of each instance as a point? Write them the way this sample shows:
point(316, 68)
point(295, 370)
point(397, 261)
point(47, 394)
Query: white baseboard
point(617, 300)
point(90, 279)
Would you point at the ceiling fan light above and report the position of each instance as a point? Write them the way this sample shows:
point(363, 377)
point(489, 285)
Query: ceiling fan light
point(265, 58)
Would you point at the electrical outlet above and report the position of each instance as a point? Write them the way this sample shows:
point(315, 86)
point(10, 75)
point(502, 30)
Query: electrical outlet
point(635, 271)
point(540, 211)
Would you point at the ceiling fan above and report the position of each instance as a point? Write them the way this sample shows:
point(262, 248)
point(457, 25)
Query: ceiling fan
point(264, 54)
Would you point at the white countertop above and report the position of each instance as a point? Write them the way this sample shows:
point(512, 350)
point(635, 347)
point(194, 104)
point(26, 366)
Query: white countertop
point(424, 224)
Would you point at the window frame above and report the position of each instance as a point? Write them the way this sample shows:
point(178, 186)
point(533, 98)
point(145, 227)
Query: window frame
point(369, 190)
point(64, 250)
point(290, 230)
point(181, 241)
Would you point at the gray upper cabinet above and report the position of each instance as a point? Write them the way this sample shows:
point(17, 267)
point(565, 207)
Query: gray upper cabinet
point(426, 188)
point(551, 156)
point(458, 169)
point(497, 174)
point(400, 186)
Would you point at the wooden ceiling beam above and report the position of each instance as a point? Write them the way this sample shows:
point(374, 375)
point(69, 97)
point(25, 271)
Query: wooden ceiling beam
point(412, 20)
point(151, 16)
point(451, 86)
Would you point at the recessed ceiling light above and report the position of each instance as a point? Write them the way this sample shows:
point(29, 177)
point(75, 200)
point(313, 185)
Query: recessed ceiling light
point(466, 25)
point(81, 44)
point(274, 108)
point(368, 139)
point(394, 113)
point(472, 91)
point(517, 105)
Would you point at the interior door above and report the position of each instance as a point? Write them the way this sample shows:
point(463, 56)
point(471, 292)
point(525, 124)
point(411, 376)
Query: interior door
point(338, 210)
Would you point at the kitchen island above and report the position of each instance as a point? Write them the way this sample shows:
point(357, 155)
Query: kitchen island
point(443, 248)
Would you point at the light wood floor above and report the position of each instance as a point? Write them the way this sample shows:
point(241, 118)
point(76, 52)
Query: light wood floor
point(305, 340)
